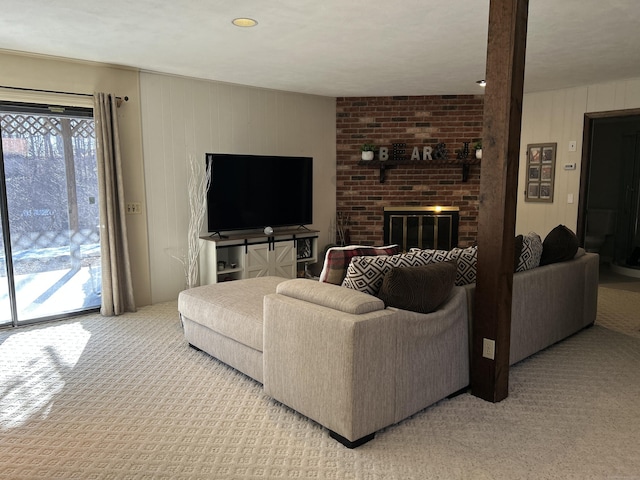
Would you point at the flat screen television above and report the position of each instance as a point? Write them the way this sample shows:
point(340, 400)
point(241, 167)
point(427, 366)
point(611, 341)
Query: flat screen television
point(250, 192)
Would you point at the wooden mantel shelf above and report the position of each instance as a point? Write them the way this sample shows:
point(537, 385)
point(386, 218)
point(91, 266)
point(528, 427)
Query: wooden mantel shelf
point(384, 165)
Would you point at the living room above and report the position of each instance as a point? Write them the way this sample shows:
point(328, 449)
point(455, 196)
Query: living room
point(159, 184)
point(169, 118)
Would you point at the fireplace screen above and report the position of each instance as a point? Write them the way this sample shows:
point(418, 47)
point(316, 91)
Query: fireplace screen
point(421, 227)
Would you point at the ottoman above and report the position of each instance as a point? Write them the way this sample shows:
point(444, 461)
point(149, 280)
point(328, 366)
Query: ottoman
point(225, 320)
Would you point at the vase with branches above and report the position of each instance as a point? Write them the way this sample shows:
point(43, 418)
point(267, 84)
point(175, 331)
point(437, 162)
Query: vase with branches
point(198, 184)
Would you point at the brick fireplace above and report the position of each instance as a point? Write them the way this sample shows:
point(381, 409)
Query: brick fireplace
point(416, 121)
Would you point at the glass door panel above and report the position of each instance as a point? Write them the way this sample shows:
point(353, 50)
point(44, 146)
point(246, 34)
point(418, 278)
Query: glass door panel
point(50, 179)
point(6, 316)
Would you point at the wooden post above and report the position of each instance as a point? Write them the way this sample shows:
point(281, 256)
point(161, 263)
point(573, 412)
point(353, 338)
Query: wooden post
point(498, 195)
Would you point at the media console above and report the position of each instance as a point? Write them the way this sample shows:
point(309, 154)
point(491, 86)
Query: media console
point(284, 254)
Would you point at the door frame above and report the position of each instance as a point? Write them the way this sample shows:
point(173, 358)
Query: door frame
point(585, 164)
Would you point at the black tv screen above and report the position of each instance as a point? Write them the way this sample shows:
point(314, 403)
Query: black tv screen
point(255, 191)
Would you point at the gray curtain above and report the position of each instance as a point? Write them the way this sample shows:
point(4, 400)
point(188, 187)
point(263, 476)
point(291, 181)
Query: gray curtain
point(117, 287)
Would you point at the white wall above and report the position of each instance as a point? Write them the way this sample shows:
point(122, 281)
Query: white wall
point(183, 117)
point(558, 117)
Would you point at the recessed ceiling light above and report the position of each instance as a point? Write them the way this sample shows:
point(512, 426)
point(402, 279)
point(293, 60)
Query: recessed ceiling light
point(482, 83)
point(244, 22)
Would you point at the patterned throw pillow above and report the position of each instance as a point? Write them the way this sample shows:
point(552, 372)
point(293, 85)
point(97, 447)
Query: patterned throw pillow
point(531, 252)
point(337, 260)
point(467, 266)
point(366, 274)
point(467, 259)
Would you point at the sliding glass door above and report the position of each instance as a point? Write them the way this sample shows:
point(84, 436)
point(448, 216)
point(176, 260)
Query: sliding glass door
point(6, 293)
point(51, 248)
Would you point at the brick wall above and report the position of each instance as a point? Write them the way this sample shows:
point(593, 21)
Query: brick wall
point(417, 121)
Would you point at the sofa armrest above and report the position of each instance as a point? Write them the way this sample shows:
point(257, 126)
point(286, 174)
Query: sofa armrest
point(334, 367)
point(332, 296)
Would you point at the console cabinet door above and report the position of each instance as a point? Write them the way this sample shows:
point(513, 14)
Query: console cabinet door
point(257, 261)
point(279, 261)
point(284, 256)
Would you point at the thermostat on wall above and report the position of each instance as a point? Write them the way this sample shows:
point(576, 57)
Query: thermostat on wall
point(569, 166)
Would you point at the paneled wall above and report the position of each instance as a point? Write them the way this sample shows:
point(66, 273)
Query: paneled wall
point(417, 121)
point(182, 117)
point(558, 117)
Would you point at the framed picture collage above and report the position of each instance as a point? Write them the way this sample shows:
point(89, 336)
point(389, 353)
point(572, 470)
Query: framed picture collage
point(541, 169)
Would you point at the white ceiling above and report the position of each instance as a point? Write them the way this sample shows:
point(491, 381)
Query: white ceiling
point(331, 47)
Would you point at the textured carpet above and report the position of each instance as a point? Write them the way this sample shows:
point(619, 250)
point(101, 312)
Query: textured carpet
point(125, 398)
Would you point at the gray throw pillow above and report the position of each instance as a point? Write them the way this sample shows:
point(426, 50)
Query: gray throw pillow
point(418, 289)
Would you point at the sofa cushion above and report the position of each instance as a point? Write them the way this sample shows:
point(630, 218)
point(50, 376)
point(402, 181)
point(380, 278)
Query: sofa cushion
point(531, 252)
point(419, 289)
point(232, 309)
point(560, 245)
point(337, 260)
point(331, 296)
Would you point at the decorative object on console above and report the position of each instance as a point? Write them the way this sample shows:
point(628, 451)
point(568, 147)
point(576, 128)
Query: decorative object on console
point(303, 248)
point(268, 230)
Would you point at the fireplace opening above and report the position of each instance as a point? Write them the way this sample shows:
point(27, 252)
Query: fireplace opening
point(431, 227)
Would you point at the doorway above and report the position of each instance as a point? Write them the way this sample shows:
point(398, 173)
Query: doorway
point(610, 186)
point(49, 216)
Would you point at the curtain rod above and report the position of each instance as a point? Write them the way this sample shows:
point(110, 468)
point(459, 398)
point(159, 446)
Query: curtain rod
point(126, 99)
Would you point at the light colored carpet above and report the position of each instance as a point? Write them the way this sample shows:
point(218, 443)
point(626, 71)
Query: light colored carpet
point(125, 398)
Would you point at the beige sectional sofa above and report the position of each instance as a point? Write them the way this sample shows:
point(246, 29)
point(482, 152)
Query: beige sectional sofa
point(339, 357)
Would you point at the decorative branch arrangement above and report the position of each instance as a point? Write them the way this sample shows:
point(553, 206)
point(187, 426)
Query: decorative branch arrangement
point(342, 223)
point(197, 187)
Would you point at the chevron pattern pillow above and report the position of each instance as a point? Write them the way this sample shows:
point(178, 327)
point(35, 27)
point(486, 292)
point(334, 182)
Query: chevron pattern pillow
point(531, 252)
point(366, 274)
point(466, 258)
point(467, 264)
